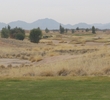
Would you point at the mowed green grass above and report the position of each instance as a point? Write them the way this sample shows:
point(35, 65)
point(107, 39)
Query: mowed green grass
point(56, 89)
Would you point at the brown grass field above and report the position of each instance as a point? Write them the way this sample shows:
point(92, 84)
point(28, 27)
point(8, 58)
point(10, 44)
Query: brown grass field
point(78, 54)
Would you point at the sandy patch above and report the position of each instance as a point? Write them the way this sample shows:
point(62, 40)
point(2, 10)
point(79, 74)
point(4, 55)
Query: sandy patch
point(13, 62)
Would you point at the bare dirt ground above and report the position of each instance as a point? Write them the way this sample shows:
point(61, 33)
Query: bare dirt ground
point(95, 44)
point(14, 62)
point(50, 60)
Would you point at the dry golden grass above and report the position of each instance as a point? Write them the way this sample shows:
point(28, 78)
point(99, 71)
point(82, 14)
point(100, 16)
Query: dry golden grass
point(85, 59)
point(36, 58)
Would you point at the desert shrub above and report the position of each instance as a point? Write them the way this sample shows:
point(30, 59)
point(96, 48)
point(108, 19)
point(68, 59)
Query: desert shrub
point(35, 35)
point(2, 66)
point(9, 66)
point(36, 59)
point(47, 73)
point(17, 33)
point(93, 30)
point(62, 30)
point(29, 74)
point(46, 30)
point(5, 33)
point(72, 30)
point(20, 36)
point(63, 72)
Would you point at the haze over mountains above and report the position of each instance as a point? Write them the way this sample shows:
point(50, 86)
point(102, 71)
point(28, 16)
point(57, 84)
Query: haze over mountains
point(51, 24)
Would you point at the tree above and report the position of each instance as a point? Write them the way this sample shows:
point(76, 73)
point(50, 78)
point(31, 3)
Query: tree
point(61, 29)
point(93, 29)
point(77, 28)
point(16, 32)
point(4, 33)
point(66, 30)
point(38, 28)
point(20, 36)
point(72, 30)
point(9, 27)
point(46, 30)
point(87, 30)
point(35, 35)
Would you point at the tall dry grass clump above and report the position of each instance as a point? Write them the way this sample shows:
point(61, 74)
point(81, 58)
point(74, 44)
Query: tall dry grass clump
point(36, 58)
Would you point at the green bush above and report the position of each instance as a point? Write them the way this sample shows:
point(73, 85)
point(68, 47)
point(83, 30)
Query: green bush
point(16, 33)
point(20, 36)
point(35, 35)
point(5, 33)
point(73, 31)
point(46, 30)
point(93, 30)
point(62, 30)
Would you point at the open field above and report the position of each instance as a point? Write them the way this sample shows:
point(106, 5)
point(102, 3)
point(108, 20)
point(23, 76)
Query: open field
point(78, 54)
point(59, 88)
point(30, 71)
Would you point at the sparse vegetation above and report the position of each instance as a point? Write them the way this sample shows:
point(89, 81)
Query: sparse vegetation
point(54, 50)
point(56, 56)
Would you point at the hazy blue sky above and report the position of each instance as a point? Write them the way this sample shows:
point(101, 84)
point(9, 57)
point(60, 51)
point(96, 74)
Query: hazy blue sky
point(64, 11)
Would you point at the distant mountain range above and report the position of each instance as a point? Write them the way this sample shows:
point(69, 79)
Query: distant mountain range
point(51, 24)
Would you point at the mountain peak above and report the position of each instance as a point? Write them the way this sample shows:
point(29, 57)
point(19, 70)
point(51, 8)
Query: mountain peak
point(51, 24)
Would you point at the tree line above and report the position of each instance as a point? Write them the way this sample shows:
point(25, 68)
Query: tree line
point(35, 34)
point(63, 30)
point(19, 34)
point(14, 33)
